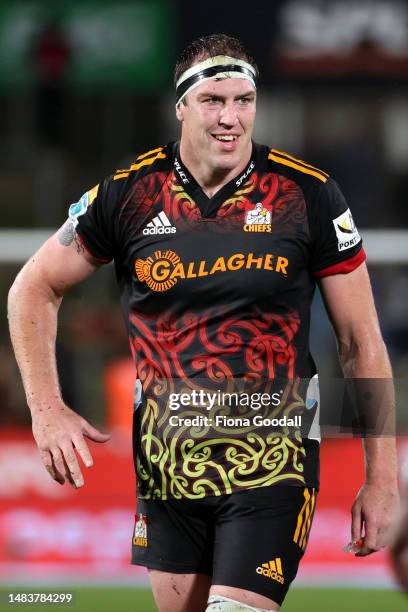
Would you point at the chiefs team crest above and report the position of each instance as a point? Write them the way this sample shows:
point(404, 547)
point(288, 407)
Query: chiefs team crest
point(140, 531)
point(258, 218)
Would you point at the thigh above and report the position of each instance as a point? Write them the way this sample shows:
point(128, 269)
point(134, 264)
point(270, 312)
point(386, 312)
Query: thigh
point(173, 536)
point(180, 592)
point(261, 536)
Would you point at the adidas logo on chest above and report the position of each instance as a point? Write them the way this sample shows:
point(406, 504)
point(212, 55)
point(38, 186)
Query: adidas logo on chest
point(159, 225)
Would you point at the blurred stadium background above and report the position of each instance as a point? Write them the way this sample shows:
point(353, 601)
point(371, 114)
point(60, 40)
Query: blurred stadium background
point(85, 86)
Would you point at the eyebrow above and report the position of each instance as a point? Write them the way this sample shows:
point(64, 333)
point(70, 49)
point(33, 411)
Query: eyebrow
point(207, 94)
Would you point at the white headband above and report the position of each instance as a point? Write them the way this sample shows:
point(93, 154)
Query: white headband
point(214, 68)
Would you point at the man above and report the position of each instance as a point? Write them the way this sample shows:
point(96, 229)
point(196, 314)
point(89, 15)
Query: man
point(216, 293)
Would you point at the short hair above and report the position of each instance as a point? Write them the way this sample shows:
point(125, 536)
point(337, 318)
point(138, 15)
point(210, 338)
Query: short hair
point(209, 46)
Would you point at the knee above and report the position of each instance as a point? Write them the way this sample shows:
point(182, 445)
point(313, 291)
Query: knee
point(218, 603)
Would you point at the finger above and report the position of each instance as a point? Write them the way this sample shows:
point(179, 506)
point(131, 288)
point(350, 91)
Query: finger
point(49, 466)
point(68, 474)
point(356, 523)
point(94, 434)
point(370, 539)
point(384, 536)
point(365, 551)
point(83, 450)
point(57, 462)
point(62, 469)
point(72, 464)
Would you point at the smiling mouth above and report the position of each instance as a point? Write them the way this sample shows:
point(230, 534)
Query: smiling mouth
point(225, 137)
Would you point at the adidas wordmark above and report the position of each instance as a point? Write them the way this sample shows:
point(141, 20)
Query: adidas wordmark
point(159, 225)
point(272, 569)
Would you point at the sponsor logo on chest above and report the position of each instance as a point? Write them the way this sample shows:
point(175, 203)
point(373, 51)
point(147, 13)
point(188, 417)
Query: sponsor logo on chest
point(162, 270)
point(159, 225)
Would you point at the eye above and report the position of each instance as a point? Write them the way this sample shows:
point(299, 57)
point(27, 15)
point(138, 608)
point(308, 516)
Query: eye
point(245, 100)
point(211, 100)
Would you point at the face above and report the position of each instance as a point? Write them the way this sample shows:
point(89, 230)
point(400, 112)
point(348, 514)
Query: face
point(217, 122)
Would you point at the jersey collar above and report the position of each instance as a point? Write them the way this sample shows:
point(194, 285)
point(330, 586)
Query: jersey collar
point(209, 206)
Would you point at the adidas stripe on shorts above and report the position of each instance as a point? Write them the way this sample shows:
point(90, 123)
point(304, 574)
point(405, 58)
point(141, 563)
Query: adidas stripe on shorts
point(252, 539)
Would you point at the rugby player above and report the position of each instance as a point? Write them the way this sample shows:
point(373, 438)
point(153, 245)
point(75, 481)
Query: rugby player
point(218, 243)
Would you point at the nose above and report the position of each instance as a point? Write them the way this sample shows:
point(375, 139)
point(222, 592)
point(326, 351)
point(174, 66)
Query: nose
point(228, 115)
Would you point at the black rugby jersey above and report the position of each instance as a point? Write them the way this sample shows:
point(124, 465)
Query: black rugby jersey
point(216, 293)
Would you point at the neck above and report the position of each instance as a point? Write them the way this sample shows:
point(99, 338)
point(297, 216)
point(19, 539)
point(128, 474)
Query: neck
point(211, 179)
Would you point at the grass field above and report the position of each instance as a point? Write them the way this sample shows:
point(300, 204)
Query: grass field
point(124, 599)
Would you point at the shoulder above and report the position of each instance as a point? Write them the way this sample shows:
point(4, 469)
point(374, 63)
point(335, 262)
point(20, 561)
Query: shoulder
point(298, 170)
point(114, 189)
point(155, 160)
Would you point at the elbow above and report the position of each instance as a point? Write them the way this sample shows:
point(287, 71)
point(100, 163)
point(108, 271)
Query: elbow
point(13, 296)
point(348, 350)
point(368, 349)
point(29, 289)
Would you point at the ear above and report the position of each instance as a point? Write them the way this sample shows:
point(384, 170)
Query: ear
point(180, 111)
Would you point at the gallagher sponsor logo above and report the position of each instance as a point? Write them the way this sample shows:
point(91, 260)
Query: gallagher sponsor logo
point(163, 269)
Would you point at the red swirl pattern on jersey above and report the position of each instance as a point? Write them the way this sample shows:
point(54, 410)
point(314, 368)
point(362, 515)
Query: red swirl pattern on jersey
point(269, 188)
point(233, 209)
point(203, 345)
point(281, 195)
point(289, 206)
point(178, 205)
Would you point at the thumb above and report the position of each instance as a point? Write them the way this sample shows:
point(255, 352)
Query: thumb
point(94, 434)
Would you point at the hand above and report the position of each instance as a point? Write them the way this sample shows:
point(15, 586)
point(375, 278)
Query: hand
point(372, 515)
point(58, 431)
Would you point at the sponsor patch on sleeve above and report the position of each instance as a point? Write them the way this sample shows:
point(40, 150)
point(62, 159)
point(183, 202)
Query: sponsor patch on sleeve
point(346, 231)
point(80, 207)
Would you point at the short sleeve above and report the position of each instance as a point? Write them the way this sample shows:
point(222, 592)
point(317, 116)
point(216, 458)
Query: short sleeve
point(95, 219)
point(336, 243)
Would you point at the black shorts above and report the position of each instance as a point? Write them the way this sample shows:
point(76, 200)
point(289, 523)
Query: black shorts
point(252, 539)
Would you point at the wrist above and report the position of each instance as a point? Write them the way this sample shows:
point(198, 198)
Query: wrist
point(389, 481)
point(37, 403)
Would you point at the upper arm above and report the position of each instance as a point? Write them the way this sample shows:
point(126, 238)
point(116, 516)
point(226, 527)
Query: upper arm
point(59, 264)
point(350, 305)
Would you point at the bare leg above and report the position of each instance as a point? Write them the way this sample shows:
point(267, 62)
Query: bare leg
point(247, 597)
point(180, 592)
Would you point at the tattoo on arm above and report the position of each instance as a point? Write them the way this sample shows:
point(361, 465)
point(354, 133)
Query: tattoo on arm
point(78, 244)
point(66, 233)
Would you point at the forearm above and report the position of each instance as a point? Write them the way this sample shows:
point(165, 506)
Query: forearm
point(32, 313)
point(369, 366)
